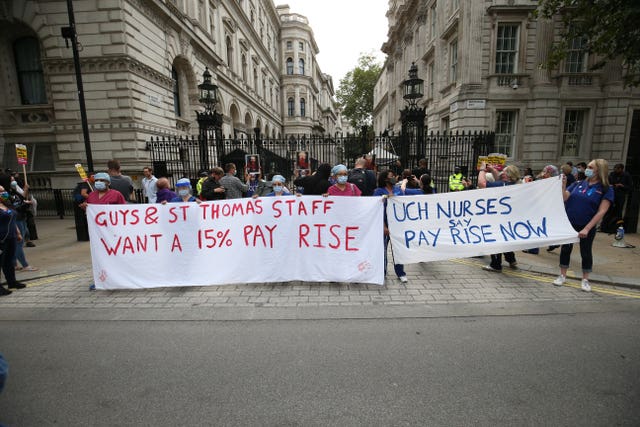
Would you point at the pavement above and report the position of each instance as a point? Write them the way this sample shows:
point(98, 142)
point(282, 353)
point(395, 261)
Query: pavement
point(64, 274)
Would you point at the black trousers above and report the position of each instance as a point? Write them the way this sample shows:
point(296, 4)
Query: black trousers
point(8, 248)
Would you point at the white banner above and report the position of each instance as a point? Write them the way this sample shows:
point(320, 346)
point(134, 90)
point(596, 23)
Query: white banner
point(478, 222)
point(270, 239)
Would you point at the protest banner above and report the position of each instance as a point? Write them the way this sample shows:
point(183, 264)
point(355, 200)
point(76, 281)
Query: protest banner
point(270, 239)
point(478, 222)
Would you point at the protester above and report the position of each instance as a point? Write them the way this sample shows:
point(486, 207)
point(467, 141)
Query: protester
point(342, 187)
point(421, 169)
point(508, 176)
point(387, 187)
point(183, 187)
point(586, 202)
point(21, 205)
point(566, 169)
point(316, 184)
point(30, 232)
point(278, 186)
point(233, 187)
point(211, 188)
point(396, 168)
point(580, 168)
point(163, 193)
point(622, 185)
point(149, 184)
point(103, 195)
point(424, 185)
point(119, 182)
point(9, 237)
point(362, 177)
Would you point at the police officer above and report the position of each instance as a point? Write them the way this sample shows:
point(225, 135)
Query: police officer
point(457, 181)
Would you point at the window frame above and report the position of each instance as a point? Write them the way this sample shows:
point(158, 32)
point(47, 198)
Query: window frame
point(513, 54)
point(291, 105)
point(289, 66)
point(29, 75)
point(511, 134)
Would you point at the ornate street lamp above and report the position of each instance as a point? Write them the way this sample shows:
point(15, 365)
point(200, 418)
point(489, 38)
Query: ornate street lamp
point(412, 118)
point(209, 121)
point(413, 87)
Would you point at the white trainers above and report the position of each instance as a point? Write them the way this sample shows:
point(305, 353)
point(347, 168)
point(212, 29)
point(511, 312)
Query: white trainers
point(403, 279)
point(560, 280)
point(585, 285)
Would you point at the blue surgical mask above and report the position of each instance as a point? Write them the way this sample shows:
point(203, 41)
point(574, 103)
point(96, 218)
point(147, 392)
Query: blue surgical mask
point(277, 188)
point(588, 173)
point(184, 192)
point(342, 179)
point(101, 186)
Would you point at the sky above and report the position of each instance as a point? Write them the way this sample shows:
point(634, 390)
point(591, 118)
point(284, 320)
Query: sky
point(344, 29)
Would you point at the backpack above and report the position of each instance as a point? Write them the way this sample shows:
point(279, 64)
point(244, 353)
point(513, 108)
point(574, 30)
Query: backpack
point(360, 178)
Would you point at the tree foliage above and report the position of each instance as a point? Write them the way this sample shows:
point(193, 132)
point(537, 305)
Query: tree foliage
point(355, 93)
point(610, 28)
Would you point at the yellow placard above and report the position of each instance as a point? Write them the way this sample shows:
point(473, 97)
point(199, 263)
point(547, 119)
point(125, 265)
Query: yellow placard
point(21, 154)
point(81, 172)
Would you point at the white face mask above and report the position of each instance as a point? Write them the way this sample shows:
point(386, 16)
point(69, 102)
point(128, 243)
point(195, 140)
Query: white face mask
point(184, 192)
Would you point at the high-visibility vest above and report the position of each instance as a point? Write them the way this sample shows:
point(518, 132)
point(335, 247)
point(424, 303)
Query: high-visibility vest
point(199, 184)
point(455, 182)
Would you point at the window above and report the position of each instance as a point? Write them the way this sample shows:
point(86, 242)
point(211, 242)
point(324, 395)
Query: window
point(576, 61)
point(29, 71)
point(453, 61)
point(301, 46)
point(572, 132)
point(301, 66)
point(229, 52)
point(431, 80)
point(255, 79)
point(505, 131)
point(289, 66)
point(302, 107)
point(290, 107)
point(507, 49)
point(289, 45)
point(444, 124)
point(433, 20)
point(39, 155)
point(176, 92)
point(244, 67)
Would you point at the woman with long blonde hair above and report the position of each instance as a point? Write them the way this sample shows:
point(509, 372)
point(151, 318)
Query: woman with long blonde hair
point(586, 202)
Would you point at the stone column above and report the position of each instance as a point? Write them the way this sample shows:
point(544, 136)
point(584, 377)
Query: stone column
point(544, 41)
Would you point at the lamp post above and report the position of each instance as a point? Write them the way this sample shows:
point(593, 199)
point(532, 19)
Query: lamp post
point(412, 116)
point(209, 121)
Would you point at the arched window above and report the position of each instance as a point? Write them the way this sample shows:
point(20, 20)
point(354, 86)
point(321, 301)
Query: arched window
point(290, 107)
point(289, 66)
point(302, 107)
point(301, 66)
point(176, 92)
point(255, 79)
point(29, 71)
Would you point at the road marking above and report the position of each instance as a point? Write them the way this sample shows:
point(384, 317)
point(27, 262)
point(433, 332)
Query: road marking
point(538, 277)
point(52, 279)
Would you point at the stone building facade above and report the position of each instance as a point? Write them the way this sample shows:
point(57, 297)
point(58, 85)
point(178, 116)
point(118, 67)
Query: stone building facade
point(142, 61)
point(480, 62)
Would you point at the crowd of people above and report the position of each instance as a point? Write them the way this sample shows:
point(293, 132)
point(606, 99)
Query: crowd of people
point(590, 192)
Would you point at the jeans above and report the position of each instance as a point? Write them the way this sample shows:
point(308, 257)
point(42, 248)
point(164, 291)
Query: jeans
point(585, 251)
point(496, 259)
point(399, 268)
point(19, 253)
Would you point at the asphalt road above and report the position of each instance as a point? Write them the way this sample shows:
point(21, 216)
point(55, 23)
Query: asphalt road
point(564, 369)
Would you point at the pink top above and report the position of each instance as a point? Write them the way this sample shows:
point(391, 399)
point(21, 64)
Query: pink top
point(349, 190)
point(111, 197)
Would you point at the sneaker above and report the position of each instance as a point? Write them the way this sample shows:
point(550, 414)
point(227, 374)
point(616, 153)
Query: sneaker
point(17, 285)
point(4, 291)
point(92, 287)
point(585, 285)
point(29, 268)
point(403, 279)
point(552, 248)
point(489, 268)
point(560, 280)
point(513, 264)
point(30, 244)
